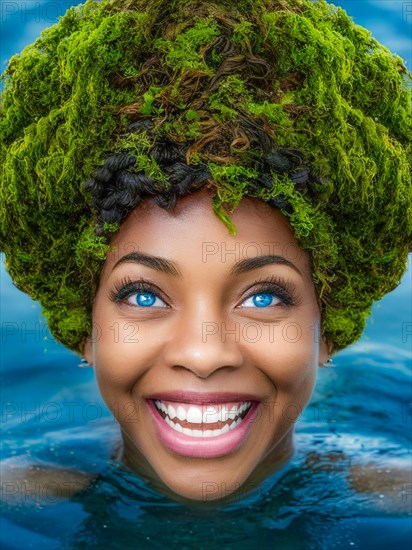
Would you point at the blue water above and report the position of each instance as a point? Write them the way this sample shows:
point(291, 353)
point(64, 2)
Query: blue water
point(360, 413)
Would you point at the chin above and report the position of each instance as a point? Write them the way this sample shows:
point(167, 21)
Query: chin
point(205, 488)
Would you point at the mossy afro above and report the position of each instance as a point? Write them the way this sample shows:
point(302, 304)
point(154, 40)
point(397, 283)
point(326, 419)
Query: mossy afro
point(211, 74)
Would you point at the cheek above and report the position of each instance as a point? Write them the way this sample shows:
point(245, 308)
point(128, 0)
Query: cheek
point(123, 350)
point(288, 358)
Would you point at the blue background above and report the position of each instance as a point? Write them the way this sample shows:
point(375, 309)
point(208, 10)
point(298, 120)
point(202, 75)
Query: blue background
point(360, 411)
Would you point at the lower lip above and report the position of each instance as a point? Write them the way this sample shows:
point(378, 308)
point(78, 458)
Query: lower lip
point(208, 447)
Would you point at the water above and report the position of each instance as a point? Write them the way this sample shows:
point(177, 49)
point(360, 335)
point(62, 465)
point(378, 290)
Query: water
point(360, 413)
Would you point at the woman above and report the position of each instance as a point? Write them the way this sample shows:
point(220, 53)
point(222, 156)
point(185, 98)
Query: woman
point(130, 131)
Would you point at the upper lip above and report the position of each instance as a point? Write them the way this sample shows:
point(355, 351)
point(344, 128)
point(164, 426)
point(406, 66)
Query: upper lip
point(202, 398)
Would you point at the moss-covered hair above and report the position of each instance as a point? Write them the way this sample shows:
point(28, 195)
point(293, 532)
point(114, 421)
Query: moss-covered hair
point(286, 100)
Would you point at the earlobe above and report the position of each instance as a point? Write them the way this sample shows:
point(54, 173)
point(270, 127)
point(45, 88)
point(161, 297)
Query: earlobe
point(88, 352)
point(325, 353)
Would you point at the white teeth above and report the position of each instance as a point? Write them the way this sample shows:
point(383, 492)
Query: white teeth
point(176, 426)
point(171, 411)
point(181, 413)
point(202, 433)
point(244, 407)
point(194, 415)
point(210, 415)
point(160, 406)
point(231, 412)
point(234, 411)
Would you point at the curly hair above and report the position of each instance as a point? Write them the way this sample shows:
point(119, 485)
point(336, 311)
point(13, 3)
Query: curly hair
point(285, 100)
point(117, 189)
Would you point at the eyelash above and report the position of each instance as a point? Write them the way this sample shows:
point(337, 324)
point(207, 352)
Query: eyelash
point(278, 286)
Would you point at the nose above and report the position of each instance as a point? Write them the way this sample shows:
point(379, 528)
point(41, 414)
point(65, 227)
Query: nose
point(203, 346)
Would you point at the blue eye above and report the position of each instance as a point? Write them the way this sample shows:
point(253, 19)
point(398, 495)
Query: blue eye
point(137, 294)
point(262, 300)
point(272, 292)
point(145, 299)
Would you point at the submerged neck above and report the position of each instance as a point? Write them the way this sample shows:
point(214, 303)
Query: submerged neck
point(133, 460)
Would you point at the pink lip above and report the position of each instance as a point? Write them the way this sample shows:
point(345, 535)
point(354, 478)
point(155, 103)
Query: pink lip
point(208, 447)
point(202, 398)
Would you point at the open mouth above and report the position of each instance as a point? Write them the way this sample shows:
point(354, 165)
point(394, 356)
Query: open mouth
point(206, 430)
point(203, 421)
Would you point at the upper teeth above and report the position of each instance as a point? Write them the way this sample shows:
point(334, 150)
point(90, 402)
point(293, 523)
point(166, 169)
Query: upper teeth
point(206, 414)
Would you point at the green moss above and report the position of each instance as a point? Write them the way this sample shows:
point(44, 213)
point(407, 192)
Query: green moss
point(136, 143)
point(232, 182)
point(274, 112)
point(332, 91)
point(149, 97)
point(183, 52)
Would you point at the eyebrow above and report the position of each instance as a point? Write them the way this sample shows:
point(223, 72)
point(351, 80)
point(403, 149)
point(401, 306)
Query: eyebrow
point(248, 264)
point(170, 268)
point(159, 264)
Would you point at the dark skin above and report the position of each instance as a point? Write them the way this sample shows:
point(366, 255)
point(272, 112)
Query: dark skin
point(171, 354)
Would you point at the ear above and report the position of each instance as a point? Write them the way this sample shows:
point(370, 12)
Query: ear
point(88, 351)
point(325, 350)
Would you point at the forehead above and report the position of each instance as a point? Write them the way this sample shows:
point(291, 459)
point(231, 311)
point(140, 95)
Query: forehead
point(192, 230)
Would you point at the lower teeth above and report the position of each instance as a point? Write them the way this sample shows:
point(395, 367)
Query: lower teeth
point(203, 433)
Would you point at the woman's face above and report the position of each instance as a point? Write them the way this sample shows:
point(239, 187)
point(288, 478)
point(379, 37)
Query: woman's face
point(208, 328)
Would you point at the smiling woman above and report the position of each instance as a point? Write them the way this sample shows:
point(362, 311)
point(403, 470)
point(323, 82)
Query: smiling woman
point(206, 202)
point(192, 353)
